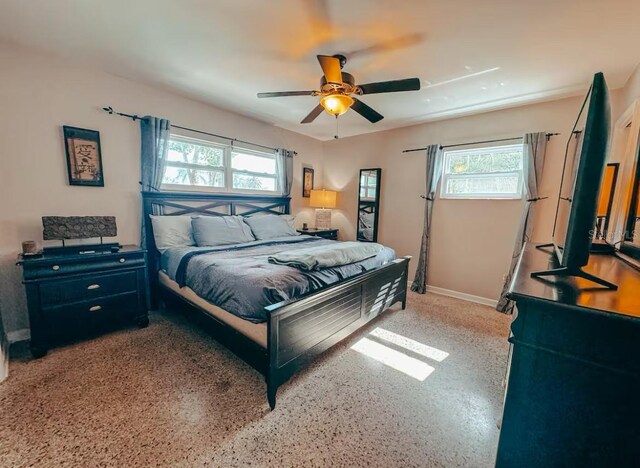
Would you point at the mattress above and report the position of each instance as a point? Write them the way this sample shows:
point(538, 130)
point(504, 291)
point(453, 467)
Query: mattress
point(256, 332)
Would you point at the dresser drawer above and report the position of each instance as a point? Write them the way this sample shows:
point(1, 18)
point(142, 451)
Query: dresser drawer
point(96, 263)
point(87, 315)
point(87, 287)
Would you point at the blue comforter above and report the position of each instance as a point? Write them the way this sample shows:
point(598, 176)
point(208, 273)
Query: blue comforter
point(240, 279)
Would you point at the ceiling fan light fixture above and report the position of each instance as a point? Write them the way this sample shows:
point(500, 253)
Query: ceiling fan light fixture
point(336, 104)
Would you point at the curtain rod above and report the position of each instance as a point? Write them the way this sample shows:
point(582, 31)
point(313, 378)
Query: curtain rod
point(549, 135)
point(135, 117)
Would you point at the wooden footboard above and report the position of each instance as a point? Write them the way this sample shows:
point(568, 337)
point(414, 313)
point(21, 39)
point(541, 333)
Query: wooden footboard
point(301, 329)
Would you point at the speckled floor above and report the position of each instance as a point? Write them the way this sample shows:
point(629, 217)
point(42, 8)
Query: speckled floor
point(169, 395)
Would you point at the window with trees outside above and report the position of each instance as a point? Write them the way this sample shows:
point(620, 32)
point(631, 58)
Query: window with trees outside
point(492, 172)
point(206, 166)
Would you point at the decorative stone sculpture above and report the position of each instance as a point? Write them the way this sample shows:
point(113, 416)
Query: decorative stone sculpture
point(78, 227)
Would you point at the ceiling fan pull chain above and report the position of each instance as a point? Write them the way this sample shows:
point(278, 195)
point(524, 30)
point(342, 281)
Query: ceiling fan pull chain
point(336, 135)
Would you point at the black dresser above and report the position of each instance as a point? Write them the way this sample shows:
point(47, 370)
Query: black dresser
point(573, 393)
point(73, 295)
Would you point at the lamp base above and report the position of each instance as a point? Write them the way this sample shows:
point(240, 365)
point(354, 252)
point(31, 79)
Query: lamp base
point(323, 218)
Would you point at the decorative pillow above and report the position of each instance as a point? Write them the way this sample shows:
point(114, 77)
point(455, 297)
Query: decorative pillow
point(270, 226)
point(220, 230)
point(172, 231)
point(290, 219)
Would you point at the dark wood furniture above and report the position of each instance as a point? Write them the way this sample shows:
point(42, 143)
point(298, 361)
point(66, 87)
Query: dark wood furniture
point(297, 330)
point(331, 234)
point(72, 295)
point(574, 383)
point(630, 244)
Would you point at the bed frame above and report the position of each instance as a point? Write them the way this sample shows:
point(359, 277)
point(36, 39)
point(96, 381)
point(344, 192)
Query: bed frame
point(297, 330)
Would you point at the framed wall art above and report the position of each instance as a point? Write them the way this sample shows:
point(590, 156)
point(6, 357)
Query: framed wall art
point(307, 181)
point(84, 157)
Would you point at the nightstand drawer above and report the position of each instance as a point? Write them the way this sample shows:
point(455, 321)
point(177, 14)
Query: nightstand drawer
point(78, 265)
point(84, 312)
point(87, 287)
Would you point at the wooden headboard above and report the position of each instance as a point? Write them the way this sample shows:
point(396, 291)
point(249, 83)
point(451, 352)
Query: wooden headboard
point(199, 204)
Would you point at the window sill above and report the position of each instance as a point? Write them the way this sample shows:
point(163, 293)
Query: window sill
point(482, 198)
point(213, 190)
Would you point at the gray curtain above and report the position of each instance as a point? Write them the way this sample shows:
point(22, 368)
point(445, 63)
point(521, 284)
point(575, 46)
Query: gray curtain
point(154, 137)
point(535, 145)
point(285, 161)
point(433, 173)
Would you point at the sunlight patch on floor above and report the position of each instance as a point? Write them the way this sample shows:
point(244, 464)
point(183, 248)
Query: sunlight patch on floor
point(394, 359)
point(412, 345)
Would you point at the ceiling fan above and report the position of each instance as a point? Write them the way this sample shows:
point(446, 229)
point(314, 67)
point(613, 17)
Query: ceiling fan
point(337, 89)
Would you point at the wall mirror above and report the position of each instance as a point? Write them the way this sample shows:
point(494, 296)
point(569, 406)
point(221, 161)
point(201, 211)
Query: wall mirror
point(605, 203)
point(631, 243)
point(368, 205)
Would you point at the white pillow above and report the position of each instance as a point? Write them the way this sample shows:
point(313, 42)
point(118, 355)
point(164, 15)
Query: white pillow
point(172, 231)
point(290, 219)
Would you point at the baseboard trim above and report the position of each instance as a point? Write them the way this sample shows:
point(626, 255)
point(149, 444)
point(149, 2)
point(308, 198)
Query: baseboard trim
point(23, 334)
point(464, 296)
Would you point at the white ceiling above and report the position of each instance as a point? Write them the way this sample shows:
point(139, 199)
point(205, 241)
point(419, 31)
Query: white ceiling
point(225, 51)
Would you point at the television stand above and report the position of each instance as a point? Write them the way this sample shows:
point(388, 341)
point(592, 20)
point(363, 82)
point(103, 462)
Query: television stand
point(577, 272)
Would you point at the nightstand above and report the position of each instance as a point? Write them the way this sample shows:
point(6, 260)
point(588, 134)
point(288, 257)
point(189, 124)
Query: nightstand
point(79, 294)
point(331, 234)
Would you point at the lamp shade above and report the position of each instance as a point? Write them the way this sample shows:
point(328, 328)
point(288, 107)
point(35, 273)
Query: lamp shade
point(336, 104)
point(323, 199)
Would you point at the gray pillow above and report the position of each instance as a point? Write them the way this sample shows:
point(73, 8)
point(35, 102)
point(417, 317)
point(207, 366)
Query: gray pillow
point(220, 230)
point(270, 226)
point(290, 219)
point(172, 231)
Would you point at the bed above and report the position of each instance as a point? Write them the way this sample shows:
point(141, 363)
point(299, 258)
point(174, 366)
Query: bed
point(279, 337)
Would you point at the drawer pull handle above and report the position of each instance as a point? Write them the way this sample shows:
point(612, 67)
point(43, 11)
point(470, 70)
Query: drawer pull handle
point(122, 260)
point(95, 308)
point(55, 267)
point(93, 286)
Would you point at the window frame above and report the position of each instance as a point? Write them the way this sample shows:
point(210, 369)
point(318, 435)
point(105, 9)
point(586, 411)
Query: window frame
point(228, 151)
point(445, 176)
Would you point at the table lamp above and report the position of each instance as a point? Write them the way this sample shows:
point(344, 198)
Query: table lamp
point(323, 201)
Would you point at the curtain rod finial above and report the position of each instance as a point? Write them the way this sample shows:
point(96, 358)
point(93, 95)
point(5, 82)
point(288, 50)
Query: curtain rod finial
point(108, 109)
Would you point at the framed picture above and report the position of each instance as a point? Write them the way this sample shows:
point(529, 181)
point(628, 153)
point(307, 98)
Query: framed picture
point(84, 157)
point(307, 181)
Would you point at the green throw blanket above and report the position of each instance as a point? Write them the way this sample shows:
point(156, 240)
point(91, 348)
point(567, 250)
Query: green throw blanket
point(327, 256)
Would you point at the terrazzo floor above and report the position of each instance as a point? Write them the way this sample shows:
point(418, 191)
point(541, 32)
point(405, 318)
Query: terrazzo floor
point(169, 395)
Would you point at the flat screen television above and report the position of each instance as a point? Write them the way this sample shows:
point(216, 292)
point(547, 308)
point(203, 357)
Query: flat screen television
point(580, 187)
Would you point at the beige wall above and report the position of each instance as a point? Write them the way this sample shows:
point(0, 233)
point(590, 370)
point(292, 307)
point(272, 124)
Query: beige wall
point(38, 95)
point(472, 240)
point(631, 90)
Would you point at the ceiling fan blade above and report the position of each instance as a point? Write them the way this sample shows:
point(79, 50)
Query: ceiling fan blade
point(366, 111)
point(313, 114)
point(286, 93)
point(401, 42)
point(410, 84)
point(331, 68)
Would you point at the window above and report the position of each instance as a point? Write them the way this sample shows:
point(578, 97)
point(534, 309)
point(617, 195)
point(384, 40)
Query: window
point(494, 172)
point(202, 165)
